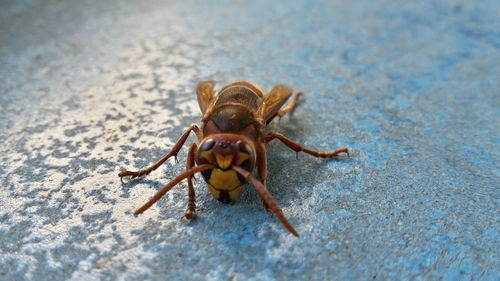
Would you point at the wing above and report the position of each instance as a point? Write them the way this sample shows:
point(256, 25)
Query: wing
point(275, 100)
point(205, 93)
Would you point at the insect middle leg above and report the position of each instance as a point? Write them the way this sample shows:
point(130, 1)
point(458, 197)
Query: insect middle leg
point(298, 148)
point(191, 208)
point(178, 145)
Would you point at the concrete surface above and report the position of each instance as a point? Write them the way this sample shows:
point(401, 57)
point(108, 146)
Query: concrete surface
point(92, 87)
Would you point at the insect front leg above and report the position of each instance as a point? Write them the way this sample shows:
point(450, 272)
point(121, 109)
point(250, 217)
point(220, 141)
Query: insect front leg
point(262, 169)
point(298, 148)
point(191, 208)
point(178, 145)
point(171, 184)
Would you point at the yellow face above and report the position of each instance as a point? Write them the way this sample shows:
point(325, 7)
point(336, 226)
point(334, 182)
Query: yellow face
point(224, 183)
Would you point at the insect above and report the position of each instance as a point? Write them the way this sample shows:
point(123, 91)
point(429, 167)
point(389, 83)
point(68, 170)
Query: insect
point(232, 144)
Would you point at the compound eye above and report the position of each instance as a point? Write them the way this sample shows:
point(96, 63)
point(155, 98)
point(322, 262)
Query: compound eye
point(246, 155)
point(207, 145)
point(243, 147)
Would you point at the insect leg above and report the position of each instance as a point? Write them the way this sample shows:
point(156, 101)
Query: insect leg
point(280, 113)
point(262, 169)
point(171, 184)
point(266, 196)
point(178, 145)
point(297, 147)
point(191, 208)
point(291, 106)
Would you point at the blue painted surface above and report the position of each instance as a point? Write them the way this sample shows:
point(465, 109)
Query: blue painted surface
point(90, 88)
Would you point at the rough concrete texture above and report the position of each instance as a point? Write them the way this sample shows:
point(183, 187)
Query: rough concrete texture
point(89, 88)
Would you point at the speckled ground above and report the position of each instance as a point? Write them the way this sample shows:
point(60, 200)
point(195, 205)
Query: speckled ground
point(90, 88)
